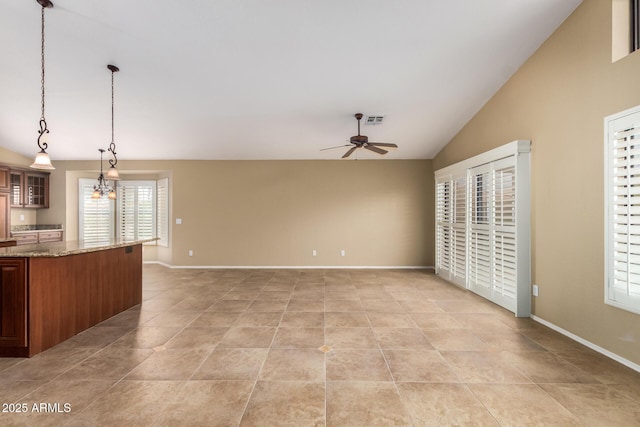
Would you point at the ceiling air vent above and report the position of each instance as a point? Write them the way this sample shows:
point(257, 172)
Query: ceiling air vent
point(374, 120)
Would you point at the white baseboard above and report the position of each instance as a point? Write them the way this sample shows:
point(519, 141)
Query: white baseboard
point(294, 267)
point(589, 344)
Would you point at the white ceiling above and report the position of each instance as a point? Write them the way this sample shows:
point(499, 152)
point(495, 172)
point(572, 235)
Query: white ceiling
point(256, 79)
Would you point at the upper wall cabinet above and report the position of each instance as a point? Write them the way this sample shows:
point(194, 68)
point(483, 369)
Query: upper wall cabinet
point(4, 179)
point(29, 189)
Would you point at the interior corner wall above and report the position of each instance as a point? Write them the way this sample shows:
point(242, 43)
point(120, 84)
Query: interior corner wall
point(559, 99)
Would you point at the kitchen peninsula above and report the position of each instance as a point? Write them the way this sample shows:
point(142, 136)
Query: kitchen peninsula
point(50, 292)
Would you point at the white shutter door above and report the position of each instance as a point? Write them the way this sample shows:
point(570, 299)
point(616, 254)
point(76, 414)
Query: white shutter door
point(443, 228)
point(623, 215)
point(504, 233)
point(480, 235)
point(482, 226)
point(459, 230)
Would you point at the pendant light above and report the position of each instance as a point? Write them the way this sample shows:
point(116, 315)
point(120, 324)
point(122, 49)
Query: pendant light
point(113, 172)
point(42, 160)
point(103, 187)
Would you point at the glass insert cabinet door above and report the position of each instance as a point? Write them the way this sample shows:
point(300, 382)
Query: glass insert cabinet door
point(29, 189)
point(36, 187)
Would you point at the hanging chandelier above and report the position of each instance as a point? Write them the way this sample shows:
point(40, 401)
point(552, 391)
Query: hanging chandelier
point(113, 172)
point(42, 160)
point(103, 188)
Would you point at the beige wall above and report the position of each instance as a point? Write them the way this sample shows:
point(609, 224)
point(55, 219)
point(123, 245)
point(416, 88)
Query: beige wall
point(559, 99)
point(274, 213)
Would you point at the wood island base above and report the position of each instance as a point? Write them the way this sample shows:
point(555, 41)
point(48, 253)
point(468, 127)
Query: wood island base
point(46, 300)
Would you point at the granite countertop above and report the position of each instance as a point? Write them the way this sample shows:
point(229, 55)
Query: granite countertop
point(35, 227)
point(57, 249)
point(10, 239)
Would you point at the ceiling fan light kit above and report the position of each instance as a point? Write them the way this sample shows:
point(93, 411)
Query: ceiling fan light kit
point(362, 141)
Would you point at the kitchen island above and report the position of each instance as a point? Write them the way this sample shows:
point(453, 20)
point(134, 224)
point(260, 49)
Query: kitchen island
point(50, 292)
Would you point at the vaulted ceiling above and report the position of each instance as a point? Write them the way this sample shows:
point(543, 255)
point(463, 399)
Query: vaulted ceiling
point(256, 79)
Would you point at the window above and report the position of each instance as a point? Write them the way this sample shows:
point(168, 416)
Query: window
point(96, 216)
point(622, 204)
point(136, 210)
point(482, 228)
point(625, 28)
point(162, 209)
point(141, 211)
point(635, 25)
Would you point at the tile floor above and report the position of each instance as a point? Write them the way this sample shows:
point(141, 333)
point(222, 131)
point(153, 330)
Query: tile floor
point(316, 348)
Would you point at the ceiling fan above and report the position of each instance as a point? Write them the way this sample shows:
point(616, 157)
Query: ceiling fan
point(362, 141)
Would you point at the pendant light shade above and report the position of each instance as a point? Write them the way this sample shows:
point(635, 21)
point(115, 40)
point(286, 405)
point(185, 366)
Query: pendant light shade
point(42, 160)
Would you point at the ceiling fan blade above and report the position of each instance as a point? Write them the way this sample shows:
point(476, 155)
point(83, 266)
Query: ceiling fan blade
point(383, 144)
point(348, 153)
point(339, 146)
point(375, 149)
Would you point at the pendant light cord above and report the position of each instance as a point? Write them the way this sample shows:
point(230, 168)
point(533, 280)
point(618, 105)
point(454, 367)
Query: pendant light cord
point(42, 63)
point(43, 123)
point(112, 147)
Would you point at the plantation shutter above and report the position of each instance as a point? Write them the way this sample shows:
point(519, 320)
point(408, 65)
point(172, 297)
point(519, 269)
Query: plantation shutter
point(504, 232)
point(459, 230)
point(126, 211)
point(136, 210)
point(482, 225)
point(623, 212)
point(480, 236)
point(162, 207)
point(443, 227)
point(96, 216)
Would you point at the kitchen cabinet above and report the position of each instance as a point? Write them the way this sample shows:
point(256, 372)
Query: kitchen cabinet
point(5, 203)
point(13, 297)
point(5, 215)
point(32, 237)
point(4, 179)
point(29, 189)
point(67, 290)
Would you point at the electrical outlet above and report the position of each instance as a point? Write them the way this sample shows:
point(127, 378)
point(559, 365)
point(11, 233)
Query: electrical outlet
point(535, 290)
point(314, 252)
point(190, 252)
point(342, 253)
point(178, 221)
